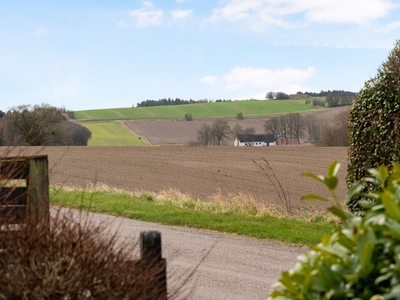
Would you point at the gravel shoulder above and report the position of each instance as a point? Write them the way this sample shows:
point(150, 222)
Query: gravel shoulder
point(235, 268)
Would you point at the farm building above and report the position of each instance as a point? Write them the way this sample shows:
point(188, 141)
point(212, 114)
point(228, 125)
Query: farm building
point(254, 140)
point(310, 141)
point(286, 140)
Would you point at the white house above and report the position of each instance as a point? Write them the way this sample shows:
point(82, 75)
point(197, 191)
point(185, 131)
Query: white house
point(257, 140)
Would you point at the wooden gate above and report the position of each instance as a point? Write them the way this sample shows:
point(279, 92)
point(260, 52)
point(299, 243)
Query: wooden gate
point(24, 192)
point(24, 200)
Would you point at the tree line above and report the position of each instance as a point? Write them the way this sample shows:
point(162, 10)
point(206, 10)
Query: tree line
point(288, 127)
point(277, 96)
point(219, 130)
point(294, 125)
point(176, 101)
point(40, 125)
point(327, 93)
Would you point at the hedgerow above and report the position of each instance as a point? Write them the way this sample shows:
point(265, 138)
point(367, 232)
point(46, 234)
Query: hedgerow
point(374, 124)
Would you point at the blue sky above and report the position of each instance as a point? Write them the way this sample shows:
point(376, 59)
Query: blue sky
point(106, 54)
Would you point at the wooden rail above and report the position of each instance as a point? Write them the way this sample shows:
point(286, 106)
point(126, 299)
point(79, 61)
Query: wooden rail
point(26, 198)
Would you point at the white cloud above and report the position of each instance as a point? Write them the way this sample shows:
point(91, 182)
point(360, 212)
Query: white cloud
point(260, 14)
point(148, 3)
point(180, 1)
point(209, 79)
point(389, 27)
point(181, 14)
point(146, 18)
point(288, 80)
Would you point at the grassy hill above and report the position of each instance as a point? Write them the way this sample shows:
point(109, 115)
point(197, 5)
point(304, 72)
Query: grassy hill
point(200, 110)
point(111, 134)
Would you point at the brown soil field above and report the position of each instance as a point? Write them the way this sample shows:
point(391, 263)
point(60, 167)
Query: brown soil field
point(161, 132)
point(198, 171)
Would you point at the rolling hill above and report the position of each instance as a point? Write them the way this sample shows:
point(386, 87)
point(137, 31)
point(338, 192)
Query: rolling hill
point(198, 110)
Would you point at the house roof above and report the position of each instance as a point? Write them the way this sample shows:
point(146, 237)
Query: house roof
point(248, 138)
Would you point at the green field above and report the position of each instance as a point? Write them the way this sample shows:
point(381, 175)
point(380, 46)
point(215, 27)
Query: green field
point(111, 134)
point(201, 110)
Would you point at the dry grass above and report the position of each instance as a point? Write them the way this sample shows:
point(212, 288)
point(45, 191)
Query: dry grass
point(220, 202)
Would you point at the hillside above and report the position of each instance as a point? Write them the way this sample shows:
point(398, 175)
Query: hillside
point(159, 132)
point(200, 110)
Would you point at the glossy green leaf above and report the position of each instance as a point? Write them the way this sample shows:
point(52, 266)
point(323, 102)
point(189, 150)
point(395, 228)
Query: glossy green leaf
point(331, 182)
point(333, 169)
point(338, 212)
point(366, 255)
point(391, 207)
point(319, 178)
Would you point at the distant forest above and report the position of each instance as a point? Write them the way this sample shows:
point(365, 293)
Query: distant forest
point(176, 101)
point(334, 98)
point(328, 93)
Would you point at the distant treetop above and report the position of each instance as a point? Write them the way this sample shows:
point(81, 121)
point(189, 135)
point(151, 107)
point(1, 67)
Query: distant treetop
point(176, 101)
point(327, 93)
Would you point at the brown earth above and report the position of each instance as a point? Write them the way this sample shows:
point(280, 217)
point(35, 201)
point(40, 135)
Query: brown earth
point(198, 171)
point(161, 132)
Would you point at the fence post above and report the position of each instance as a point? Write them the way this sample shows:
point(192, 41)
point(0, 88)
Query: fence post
point(38, 191)
point(150, 251)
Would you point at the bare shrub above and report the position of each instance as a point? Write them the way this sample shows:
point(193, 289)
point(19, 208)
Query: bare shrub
point(71, 260)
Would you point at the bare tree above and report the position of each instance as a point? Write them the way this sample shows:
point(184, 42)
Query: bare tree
point(249, 130)
point(272, 126)
point(236, 130)
point(342, 132)
point(36, 125)
point(283, 125)
point(295, 125)
point(204, 134)
point(314, 127)
point(337, 134)
point(310, 121)
point(220, 130)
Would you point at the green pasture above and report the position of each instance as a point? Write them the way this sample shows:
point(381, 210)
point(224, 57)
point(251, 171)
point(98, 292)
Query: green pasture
point(111, 134)
point(194, 214)
point(200, 110)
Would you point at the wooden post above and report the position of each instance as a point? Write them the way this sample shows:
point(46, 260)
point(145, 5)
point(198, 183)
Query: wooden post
point(38, 191)
point(150, 250)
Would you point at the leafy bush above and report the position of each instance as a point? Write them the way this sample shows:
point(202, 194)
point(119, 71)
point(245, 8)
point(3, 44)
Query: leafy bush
point(374, 123)
point(188, 117)
point(317, 102)
point(239, 116)
point(361, 260)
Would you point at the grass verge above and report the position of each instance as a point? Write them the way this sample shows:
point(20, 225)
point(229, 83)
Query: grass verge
point(196, 214)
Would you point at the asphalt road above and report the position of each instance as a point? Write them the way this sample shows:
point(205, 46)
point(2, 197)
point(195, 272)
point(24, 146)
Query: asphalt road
point(229, 267)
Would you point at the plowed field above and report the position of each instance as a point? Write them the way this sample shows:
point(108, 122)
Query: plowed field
point(198, 171)
point(161, 132)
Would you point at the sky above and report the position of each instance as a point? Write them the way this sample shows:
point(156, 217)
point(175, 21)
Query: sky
point(96, 54)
